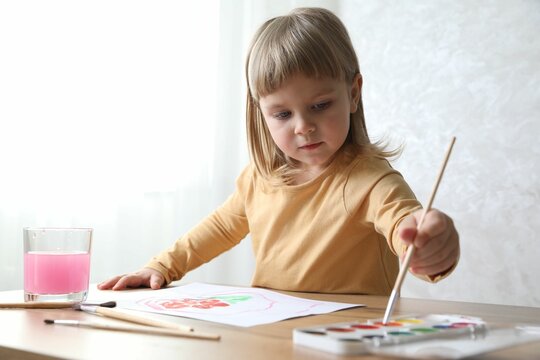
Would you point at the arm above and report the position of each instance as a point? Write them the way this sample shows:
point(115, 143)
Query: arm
point(216, 234)
point(397, 216)
point(219, 232)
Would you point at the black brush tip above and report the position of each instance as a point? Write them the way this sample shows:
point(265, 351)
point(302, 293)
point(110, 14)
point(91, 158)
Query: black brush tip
point(108, 304)
point(48, 321)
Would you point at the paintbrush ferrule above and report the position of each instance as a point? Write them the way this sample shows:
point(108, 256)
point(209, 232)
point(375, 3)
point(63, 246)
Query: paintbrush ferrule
point(62, 322)
point(86, 308)
point(390, 307)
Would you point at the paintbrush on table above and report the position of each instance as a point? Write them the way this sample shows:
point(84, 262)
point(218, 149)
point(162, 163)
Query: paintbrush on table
point(410, 250)
point(52, 305)
point(135, 329)
point(120, 315)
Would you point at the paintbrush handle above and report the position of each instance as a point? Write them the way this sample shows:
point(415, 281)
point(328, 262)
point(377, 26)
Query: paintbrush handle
point(160, 331)
point(137, 329)
point(37, 305)
point(404, 267)
point(410, 250)
point(119, 315)
point(52, 305)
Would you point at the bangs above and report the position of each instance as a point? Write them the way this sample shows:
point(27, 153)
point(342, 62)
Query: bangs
point(295, 47)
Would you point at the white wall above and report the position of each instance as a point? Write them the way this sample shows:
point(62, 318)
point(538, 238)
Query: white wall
point(433, 69)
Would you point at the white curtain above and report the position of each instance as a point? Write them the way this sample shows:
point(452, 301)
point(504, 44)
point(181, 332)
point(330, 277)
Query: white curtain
point(127, 117)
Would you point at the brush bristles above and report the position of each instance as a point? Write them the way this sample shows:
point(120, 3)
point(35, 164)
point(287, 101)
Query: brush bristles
point(108, 304)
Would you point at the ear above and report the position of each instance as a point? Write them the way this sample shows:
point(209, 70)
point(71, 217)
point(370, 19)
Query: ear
point(356, 91)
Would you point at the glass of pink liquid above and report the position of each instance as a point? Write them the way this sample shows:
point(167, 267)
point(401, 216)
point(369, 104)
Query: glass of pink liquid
point(56, 264)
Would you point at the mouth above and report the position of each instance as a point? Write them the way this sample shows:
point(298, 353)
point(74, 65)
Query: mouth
point(312, 146)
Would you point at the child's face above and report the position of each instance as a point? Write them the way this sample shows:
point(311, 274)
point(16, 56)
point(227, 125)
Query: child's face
point(309, 118)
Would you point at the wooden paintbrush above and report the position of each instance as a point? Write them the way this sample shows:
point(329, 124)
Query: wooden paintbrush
point(135, 329)
point(143, 320)
point(410, 250)
point(51, 305)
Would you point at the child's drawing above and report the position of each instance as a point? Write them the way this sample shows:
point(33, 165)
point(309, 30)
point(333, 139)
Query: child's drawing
point(224, 304)
point(230, 305)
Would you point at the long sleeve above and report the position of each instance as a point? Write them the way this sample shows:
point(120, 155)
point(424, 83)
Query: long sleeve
point(394, 200)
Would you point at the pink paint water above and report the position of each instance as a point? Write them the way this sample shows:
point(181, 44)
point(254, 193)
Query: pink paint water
point(51, 273)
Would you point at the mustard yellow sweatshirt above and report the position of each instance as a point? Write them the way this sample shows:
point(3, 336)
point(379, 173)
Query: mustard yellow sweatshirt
point(333, 234)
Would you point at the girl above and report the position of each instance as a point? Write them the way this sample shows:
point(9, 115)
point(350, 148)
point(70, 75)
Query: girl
point(325, 210)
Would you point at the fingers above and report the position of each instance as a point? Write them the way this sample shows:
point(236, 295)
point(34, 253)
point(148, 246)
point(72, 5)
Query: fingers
point(434, 225)
point(438, 261)
point(436, 242)
point(145, 278)
point(108, 284)
point(156, 281)
point(129, 281)
point(407, 229)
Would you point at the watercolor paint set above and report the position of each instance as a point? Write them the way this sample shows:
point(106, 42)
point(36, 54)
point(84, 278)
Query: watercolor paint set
point(427, 336)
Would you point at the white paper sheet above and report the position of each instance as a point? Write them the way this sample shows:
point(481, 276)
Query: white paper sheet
point(240, 306)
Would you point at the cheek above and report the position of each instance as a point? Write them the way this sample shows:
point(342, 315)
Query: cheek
point(347, 125)
point(341, 123)
point(278, 132)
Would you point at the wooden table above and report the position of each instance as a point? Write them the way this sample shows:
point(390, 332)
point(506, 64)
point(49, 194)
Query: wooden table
point(23, 334)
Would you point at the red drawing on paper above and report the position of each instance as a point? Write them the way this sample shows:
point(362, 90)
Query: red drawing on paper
point(203, 303)
point(192, 303)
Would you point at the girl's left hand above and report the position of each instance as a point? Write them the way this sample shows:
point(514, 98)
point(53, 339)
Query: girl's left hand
point(437, 242)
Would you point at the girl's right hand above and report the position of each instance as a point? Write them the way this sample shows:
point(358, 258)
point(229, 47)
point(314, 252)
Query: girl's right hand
point(145, 277)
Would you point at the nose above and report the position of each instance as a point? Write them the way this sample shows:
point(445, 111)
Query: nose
point(303, 125)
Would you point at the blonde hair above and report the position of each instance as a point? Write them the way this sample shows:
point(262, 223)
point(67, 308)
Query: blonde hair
point(308, 41)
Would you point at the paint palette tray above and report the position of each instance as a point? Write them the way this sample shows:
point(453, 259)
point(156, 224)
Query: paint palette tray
point(428, 336)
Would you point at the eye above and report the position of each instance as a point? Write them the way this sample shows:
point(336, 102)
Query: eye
point(321, 106)
point(282, 115)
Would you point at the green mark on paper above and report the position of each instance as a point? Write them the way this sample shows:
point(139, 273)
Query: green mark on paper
point(232, 299)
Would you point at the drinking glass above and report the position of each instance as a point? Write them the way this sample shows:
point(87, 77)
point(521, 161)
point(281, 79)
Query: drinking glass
point(56, 264)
